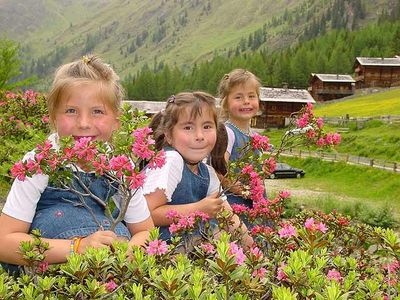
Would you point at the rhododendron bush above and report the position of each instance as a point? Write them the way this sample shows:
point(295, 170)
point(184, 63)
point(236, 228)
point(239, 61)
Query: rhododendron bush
point(308, 256)
point(23, 123)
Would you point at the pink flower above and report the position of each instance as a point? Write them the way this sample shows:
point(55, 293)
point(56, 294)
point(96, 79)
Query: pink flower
point(142, 133)
point(111, 285)
point(136, 180)
point(100, 164)
point(173, 228)
point(237, 251)
point(321, 227)
point(269, 165)
point(45, 119)
point(239, 208)
point(311, 225)
point(18, 171)
point(31, 96)
point(43, 266)
point(120, 163)
point(281, 275)
point(334, 275)
point(310, 134)
point(320, 142)
point(287, 231)
point(256, 252)
point(207, 248)
point(142, 150)
point(10, 95)
point(260, 142)
point(172, 214)
point(302, 122)
point(320, 123)
point(157, 161)
point(259, 273)
point(157, 247)
point(284, 194)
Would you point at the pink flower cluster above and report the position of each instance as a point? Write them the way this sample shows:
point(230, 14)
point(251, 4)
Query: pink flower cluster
point(260, 142)
point(312, 225)
point(313, 128)
point(207, 248)
point(260, 273)
point(335, 275)
point(281, 275)
point(84, 152)
point(157, 247)
point(287, 230)
point(183, 223)
point(255, 182)
point(110, 285)
point(237, 251)
point(329, 139)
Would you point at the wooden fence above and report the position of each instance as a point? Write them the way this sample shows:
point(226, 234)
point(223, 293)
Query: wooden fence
point(347, 158)
point(344, 121)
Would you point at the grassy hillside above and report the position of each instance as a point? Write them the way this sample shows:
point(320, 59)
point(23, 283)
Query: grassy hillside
point(131, 33)
point(375, 104)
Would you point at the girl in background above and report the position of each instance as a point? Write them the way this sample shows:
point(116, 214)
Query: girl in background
point(239, 92)
point(84, 102)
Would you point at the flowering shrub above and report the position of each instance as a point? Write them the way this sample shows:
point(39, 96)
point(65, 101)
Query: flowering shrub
point(22, 111)
point(319, 257)
point(23, 123)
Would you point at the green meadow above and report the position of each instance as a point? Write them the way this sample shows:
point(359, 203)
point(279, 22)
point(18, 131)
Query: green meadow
point(374, 104)
point(368, 194)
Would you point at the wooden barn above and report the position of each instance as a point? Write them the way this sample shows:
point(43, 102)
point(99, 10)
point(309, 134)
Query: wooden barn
point(325, 87)
point(377, 72)
point(277, 104)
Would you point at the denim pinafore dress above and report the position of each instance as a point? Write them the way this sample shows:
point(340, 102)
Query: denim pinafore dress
point(60, 214)
point(192, 188)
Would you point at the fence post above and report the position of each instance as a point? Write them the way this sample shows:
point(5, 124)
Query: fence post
point(347, 158)
point(395, 166)
point(300, 153)
point(371, 162)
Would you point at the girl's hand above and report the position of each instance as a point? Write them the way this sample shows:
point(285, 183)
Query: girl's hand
point(211, 205)
point(101, 238)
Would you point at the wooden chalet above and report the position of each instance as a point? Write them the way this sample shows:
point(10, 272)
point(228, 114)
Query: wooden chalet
point(325, 87)
point(377, 72)
point(277, 104)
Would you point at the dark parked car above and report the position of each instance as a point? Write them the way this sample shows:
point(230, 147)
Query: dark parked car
point(285, 171)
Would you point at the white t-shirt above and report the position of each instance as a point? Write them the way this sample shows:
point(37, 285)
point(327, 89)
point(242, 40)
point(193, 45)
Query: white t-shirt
point(231, 139)
point(24, 195)
point(168, 177)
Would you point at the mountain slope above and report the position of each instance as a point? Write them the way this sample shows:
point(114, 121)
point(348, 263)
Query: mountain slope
point(131, 33)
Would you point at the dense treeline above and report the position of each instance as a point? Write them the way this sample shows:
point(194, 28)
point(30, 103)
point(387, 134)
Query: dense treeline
point(332, 53)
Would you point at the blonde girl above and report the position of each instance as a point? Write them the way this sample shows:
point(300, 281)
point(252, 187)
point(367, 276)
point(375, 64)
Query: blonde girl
point(84, 101)
point(239, 92)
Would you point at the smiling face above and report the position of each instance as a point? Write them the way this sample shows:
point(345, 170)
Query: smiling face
point(194, 137)
point(243, 103)
point(82, 112)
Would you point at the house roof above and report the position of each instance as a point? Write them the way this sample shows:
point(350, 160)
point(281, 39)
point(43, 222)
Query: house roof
point(285, 95)
point(379, 61)
point(334, 77)
point(150, 107)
